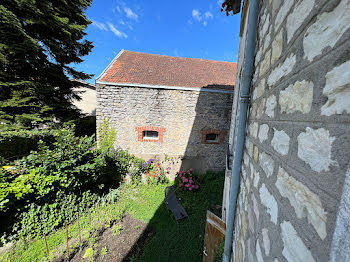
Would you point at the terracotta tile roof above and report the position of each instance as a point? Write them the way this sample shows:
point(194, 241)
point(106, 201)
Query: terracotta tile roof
point(140, 68)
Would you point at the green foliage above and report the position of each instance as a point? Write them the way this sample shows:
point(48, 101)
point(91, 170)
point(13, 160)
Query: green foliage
point(106, 137)
point(15, 144)
point(89, 253)
point(220, 252)
point(116, 229)
point(104, 251)
point(46, 186)
point(40, 42)
point(145, 202)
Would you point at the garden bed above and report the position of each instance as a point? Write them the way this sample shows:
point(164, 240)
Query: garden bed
point(137, 228)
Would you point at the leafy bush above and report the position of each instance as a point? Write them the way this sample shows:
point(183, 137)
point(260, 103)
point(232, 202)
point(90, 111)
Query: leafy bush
point(15, 144)
point(107, 135)
point(187, 180)
point(46, 186)
point(155, 172)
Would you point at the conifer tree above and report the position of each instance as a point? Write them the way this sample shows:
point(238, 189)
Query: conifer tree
point(40, 41)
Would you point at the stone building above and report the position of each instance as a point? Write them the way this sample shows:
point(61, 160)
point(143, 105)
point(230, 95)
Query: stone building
point(169, 107)
point(87, 103)
point(294, 190)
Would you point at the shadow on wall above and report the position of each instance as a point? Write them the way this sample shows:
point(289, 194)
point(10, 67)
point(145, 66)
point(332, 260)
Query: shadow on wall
point(207, 143)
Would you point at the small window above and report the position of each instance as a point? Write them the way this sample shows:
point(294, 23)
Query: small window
point(150, 135)
point(211, 137)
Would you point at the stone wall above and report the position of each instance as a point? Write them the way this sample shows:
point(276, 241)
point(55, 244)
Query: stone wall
point(293, 203)
point(183, 117)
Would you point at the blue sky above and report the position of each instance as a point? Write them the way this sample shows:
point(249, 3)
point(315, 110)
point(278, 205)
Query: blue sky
point(195, 29)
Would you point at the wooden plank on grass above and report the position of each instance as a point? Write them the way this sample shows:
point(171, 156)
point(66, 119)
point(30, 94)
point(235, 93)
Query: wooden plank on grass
point(215, 230)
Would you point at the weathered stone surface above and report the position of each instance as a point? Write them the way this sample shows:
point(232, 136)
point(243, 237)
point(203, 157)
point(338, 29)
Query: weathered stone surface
point(284, 69)
point(341, 240)
point(265, 64)
point(297, 97)
point(261, 88)
point(271, 103)
point(259, 257)
point(280, 142)
point(282, 13)
point(253, 129)
point(260, 109)
point(256, 179)
point(243, 224)
point(266, 241)
point(246, 159)
point(263, 132)
point(337, 90)
point(255, 93)
point(265, 26)
point(251, 223)
point(269, 202)
point(315, 148)
point(305, 203)
point(183, 114)
point(277, 46)
point(275, 5)
point(267, 40)
point(326, 30)
point(297, 17)
point(250, 149)
point(247, 184)
point(294, 249)
point(255, 207)
point(266, 163)
point(250, 253)
point(256, 153)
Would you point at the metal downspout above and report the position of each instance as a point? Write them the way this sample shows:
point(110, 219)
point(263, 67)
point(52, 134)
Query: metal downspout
point(244, 100)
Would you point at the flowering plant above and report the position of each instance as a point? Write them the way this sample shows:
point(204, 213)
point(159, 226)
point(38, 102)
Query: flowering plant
point(154, 171)
point(231, 5)
point(188, 181)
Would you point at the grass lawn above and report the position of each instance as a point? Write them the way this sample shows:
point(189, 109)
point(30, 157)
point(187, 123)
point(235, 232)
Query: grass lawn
point(172, 242)
point(167, 240)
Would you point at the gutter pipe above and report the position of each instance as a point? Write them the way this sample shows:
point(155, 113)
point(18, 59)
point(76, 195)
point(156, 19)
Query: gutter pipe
point(244, 100)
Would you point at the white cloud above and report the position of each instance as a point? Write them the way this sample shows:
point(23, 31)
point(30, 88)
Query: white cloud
point(99, 25)
point(121, 21)
point(130, 14)
point(202, 18)
point(208, 15)
point(196, 15)
point(116, 31)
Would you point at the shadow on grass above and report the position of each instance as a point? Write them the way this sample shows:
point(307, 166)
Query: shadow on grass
point(183, 241)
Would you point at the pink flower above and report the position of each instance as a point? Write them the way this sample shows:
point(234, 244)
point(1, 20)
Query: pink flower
point(190, 188)
point(191, 181)
point(196, 186)
point(187, 185)
point(180, 175)
point(180, 185)
point(191, 169)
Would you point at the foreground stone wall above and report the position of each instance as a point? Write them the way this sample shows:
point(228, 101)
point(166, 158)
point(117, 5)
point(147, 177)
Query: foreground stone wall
point(181, 116)
point(294, 203)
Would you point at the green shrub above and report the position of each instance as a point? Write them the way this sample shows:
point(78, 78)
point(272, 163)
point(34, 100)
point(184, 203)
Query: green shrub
point(106, 137)
point(16, 144)
point(44, 188)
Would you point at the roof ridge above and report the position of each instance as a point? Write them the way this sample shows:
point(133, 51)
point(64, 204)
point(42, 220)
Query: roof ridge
point(181, 57)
